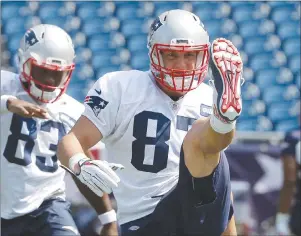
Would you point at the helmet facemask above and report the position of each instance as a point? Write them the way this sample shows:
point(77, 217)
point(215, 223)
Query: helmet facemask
point(179, 80)
point(45, 82)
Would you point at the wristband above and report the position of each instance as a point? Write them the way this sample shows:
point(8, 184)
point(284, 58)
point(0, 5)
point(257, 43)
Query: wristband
point(107, 217)
point(74, 161)
point(4, 99)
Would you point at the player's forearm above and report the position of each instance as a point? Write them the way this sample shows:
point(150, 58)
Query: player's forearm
point(100, 204)
point(286, 195)
point(68, 147)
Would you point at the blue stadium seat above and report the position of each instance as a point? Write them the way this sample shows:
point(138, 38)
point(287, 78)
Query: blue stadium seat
point(280, 93)
point(280, 111)
point(99, 42)
point(250, 91)
point(47, 12)
point(100, 25)
point(282, 13)
point(127, 12)
point(228, 27)
point(85, 72)
point(95, 9)
point(13, 43)
point(238, 4)
point(278, 4)
point(206, 12)
point(242, 13)
point(106, 69)
point(266, 78)
point(266, 27)
point(294, 63)
point(146, 9)
point(77, 92)
point(291, 46)
point(10, 9)
point(83, 55)
point(297, 79)
point(254, 109)
point(288, 29)
point(75, 81)
point(254, 45)
point(132, 27)
point(59, 21)
point(287, 125)
point(214, 28)
point(161, 7)
point(88, 12)
point(249, 28)
point(246, 125)
point(103, 59)
point(261, 61)
point(261, 123)
point(137, 43)
point(117, 39)
point(273, 94)
point(291, 92)
point(79, 39)
point(105, 41)
point(45, 4)
point(14, 25)
point(127, 4)
point(72, 24)
point(245, 114)
point(273, 43)
point(199, 4)
point(140, 62)
point(107, 8)
point(264, 124)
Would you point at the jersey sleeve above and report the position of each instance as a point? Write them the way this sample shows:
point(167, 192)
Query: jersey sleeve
point(102, 103)
point(70, 117)
point(9, 86)
point(9, 83)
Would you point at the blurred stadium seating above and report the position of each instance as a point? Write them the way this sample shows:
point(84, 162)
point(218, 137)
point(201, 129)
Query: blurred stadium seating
point(112, 36)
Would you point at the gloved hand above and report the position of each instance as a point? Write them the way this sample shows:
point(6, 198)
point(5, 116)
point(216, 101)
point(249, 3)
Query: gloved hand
point(98, 175)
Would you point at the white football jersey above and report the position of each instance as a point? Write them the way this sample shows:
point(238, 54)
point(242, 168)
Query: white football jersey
point(143, 130)
point(30, 171)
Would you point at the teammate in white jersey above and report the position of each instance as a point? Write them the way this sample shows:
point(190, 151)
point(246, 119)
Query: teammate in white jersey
point(35, 114)
point(176, 178)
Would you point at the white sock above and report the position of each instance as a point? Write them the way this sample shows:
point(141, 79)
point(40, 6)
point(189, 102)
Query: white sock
point(219, 125)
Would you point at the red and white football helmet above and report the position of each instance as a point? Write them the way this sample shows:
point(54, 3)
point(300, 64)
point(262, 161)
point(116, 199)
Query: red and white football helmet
point(49, 50)
point(180, 31)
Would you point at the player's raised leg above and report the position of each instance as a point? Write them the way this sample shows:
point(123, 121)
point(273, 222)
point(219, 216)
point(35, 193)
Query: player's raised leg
point(209, 136)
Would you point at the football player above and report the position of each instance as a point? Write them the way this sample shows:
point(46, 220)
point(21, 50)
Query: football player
point(288, 217)
point(168, 129)
point(35, 114)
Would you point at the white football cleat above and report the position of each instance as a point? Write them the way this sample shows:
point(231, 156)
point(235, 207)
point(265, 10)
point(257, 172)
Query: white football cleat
point(226, 67)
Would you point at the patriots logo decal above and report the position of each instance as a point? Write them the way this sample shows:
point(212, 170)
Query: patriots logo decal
point(96, 103)
point(30, 38)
